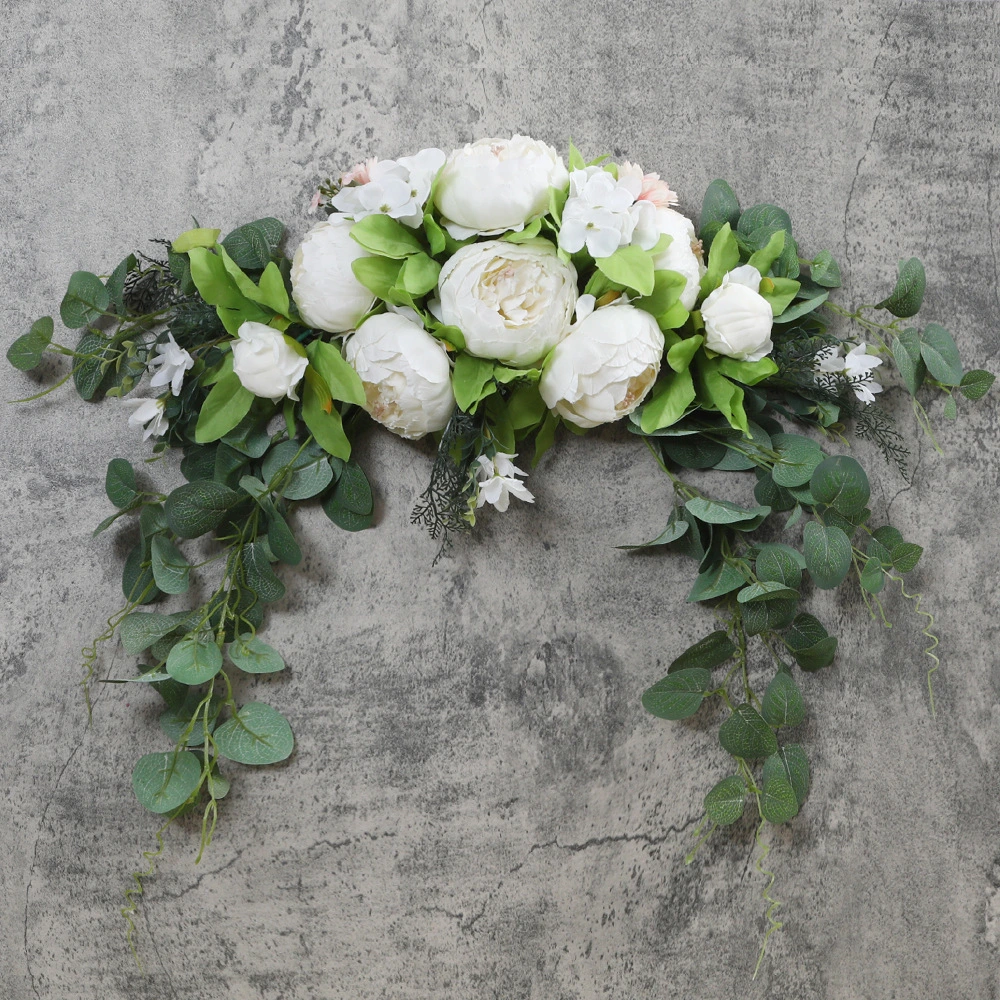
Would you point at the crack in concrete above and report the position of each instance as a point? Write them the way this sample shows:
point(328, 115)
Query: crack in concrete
point(878, 115)
point(913, 477)
point(197, 882)
point(990, 227)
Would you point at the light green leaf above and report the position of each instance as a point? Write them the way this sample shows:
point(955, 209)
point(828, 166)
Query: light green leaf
point(671, 396)
point(723, 256)
point(385, 237)
point(680, 354)
point(322, 417)
point(164, 781)
point(341, 379)
point(470, 380)
point(377, 274)
point(226, 405)
point(26, 352)
point(779, 293)
point(214, 283)
point(258, 734)
point(747, 372)
point(802, 308)
point(419, 274)
point(763, 259)
point(170, 568)
point(254, 656)
point(194, 661)
point(629, 266)
point(195, 238)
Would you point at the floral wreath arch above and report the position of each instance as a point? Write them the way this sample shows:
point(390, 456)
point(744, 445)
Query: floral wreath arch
point(488, 297)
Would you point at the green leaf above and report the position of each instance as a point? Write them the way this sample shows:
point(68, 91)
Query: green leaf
point(26, 352)
point(770, 494)
point(725, 801)
point(214, 283)
point(907, 296)
point(714, 582)
point(719, 207)
point(271, 291)
point(950, 411)
point(787, 313)
point(680, 354)
point(766, 590)
point(282, 541)
point(905, 556)
point(386, 237)
point(249, 246)
point(722, 258)
point(89, 372)
point(909, 363)
point(115, 282)
point(780, 564)
point(841, 482)
point(783, 704)
point(767, 616)
point(377, 274)
point(341, 379)
point(194, 660)
point(672, 395)
point(825, 270)
point(747, 372)
point(137, 578)
point(678, 695)
point(828, 554)
point(670, 533)
point(310, 474)
point(777, 800)
point(254, 656)
point(799, 456)
point(419, 274)
point(226, 405)
point(805, 632)
point(717, 392)
point(140, 629)
point(818, 655)
point(86, 300)
point(759, 223)
point(195, 238)
point(745, 734)
point(937, 348)
point(164, 781)
point(259, 576)
point(353, 492)
point(723, 512)
point(196, 508)
point(974, 384)
point(630, 266)
point(119, 483)
point(258, 734)
point(322, 418)
point(763, 258)
point(706, 653)
point(470, 380)
point(170, 568)
point(791, 763)
point(176, 720)
point(873, 576)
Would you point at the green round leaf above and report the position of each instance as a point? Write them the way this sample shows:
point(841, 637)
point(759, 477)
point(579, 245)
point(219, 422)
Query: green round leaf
point(798, 457)
point(194, 661)
point(86, 299)
point(766, 590)
point(175, 720)
point(140, 629)
point(974, 384)
point(715, 582)
point(777, 800)
point(257, 735)
point(940, 354)
point(791, 763)
point(119, 483)
point(780, 564)
point(766, 616)
point(196, 508)
point(905, 556)
point(745, 734)
point(170, 568)
point(841, 482)
point(254, 656)
point(311, 472)
point(164, 781)
point(724, 803)
point(828, 554)
point(783, 704)
point(873, 576)
point(678, 695)
point(26, 352)
point(722, 511)
point(353, 492)
point(259, 576)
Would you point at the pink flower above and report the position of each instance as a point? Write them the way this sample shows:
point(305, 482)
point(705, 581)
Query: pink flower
point(314, 204)
point(360, 173)
point(653, 189)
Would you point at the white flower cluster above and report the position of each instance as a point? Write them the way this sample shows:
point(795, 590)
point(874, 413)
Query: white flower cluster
point(857, 366)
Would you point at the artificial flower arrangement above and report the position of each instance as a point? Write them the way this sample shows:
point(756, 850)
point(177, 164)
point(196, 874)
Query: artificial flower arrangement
point(485, 298)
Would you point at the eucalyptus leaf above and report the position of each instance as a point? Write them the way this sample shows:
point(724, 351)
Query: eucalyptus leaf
point(194, 660)
point(170, 568)
point(164, 781)
point(254, 656)
point(257, 735)
point(828, 554)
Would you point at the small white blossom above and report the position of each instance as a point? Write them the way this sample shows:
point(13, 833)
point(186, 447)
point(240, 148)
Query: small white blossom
point(169, 365)
point(856, 367)
point(498, 482)
point(397, 188)
point(148, 415)
point(604, 214)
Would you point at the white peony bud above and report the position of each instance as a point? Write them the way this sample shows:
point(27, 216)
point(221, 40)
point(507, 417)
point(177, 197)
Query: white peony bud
point(325, 290)
point(738, 319)
point(492, 185)
point(405, 372)
point(266, 363)
point(512, 301)
point(683, 255)
point(602, 371)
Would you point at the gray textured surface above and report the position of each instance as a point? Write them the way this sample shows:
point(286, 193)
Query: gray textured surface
point(478, 807)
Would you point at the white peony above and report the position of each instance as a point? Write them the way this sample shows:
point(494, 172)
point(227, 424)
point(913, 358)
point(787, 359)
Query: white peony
point(512, 301)
point(604, 214)
point(737, 319)
point(492, 185)
point(324, 288)
point(266, 363)
point(683, 255)
point(602, 371)
point(397, 188)
point(405, 372)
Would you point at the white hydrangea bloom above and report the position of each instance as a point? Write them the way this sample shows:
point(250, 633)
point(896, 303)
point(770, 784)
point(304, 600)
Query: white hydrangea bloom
point(397, 188)
point(498, 482)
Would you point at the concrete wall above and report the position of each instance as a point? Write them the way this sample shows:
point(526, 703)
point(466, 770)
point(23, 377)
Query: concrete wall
point(478, 807)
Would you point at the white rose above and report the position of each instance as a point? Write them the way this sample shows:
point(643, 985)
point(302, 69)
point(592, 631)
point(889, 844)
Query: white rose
point(683, 255)
point(602, 371)
point(328, 295)
point(738, 319)
point(512, 301)
point(492, 185)
point(266, 363)
point(405, 372)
